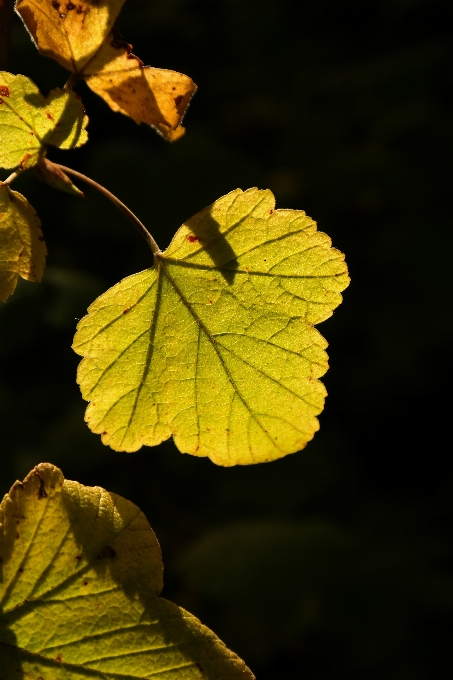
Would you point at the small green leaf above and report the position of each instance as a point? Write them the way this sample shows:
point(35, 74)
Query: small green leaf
point(29, 121)
point(215, 344)
point(22, 248)
point(82, 573)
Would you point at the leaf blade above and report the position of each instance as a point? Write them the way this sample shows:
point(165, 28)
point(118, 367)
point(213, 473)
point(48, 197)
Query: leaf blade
point(233, 367)
point(29, 121)
point(82, 591)
point(22, 248)
point(71, 33)
point(157, 97)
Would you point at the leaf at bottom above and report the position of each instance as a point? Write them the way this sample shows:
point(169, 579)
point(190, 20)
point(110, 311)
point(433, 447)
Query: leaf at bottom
point(82, 573)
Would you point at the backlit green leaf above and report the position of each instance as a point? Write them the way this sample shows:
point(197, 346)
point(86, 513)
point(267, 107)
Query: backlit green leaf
point(22, 248)
point(29, 121)
point(215, 344)
point(82, 573)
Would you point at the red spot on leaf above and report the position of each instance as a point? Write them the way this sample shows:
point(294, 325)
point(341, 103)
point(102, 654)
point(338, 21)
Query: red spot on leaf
point(49, 115)
point(59, 658)
point(271, 212)
point(192, 238)
point(4, 91)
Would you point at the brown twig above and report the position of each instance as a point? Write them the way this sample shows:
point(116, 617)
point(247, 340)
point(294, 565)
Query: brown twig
point(119, 204)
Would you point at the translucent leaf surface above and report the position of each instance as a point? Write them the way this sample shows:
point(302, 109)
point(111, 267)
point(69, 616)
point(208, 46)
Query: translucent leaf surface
point(69, 32)
point(29, 121)
point(82, 573)
point(22, 248)
point(79, 36)
point(148, 95)
point(215, 344)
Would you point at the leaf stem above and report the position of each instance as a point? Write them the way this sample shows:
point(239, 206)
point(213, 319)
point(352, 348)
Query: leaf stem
point(12, 177)
point(119, 204)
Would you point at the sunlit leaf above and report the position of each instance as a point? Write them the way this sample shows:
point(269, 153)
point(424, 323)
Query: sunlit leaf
point(148, 95)
point(69, 32)
point(29, 121)
point(215, 344)
point(79, 36)
point(82, 573)
point(22, 248)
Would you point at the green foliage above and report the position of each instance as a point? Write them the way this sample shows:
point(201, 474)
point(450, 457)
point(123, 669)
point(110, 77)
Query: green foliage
point(88, 598)
point(215, 345)
point(29, 121)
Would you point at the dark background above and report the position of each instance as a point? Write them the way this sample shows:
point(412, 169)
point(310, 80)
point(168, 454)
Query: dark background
point(332, 563)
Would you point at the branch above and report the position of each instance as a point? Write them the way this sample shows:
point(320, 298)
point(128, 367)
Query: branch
point(119, 204)
point(6, 16)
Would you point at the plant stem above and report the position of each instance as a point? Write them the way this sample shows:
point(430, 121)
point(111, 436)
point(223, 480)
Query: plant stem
point(119, 204)
point(70, 82)
point(12, 177)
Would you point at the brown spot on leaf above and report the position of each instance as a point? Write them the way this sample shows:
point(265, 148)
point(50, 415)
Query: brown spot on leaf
point(59, 658)
point(192, 238)
point(18, 535)
point(49, 115)
point(55, 4)
point(20, 570)
point(70, 6)
point(42, 493)
point(1, 100)
point(125, 311)
point(271, 212)
point(24, 160)
point(85, 583)
point(78, 557)
point(4, 91)
point(107, 553)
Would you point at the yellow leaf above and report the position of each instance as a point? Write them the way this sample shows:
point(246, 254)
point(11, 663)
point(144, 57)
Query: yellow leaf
point(79, 35)
point(22, 248)
point(148, 95)
point(69, 32)
point(80, 592)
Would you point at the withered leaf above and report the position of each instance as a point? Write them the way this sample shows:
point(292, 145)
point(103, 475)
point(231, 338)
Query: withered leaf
point(81, 36)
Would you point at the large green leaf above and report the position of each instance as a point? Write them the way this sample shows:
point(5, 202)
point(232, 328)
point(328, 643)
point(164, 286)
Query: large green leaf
point(215, 344)
point(79, 596)
point(29, 121)
point(22, 248)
